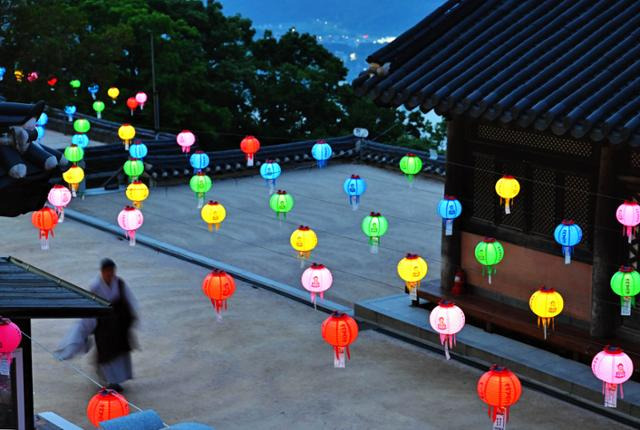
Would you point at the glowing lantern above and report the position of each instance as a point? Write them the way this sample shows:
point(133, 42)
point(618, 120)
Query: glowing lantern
point(449, 209)
point(410, 165)
point(141, 98)
point(281, 203)
point(3, 70)
point(130, 219)
point(200, 184)
point(412, 269)
point(218, 286)
point(374, 227)
point(340, 331)
point(354, 186)
point(45, 221)
point(185, 139)
point(547, 304)
point(628, 214)
point(213, 213)
point(499, 388)
point(568, 234)
point(106, 405)
point(321, 151)
point(626, 283)
point(113, 94)
point(447, 319)
point(52, 81)
point(199, 161)
point(613, 367)
point(303, 240)
point(507, 188)
point(81, 125)
point(270, 171)
point(75, 85)
point(40, 131)
point(81, 140)
point(10, 338)
point(132, 104)
point(137, 192)
point(316, 279)
point(73, 177)
point(489, 252)
point(73, 153)
point(19, 75)
point(32, 76)
point(138, 150)
point(93, 90)
point(133, 168)
point(43, 119)
point(249, 145)
point(98, 107)
point(126, 133)
point(70, 111)
point(59, 197)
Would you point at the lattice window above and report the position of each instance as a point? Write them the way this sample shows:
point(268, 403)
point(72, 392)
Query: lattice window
point(577, 204)
point(635, 159)
point(543, 205)
point(484, 197)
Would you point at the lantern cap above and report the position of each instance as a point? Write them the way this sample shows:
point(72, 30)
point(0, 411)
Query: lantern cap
point(630, 202)
point(136, 181)
point(568, 222)
point(446, 303)
point(133, 159)
point(304, 228)
point(489, 239)
point(281, 192)
point(375, 214)
point(58, 186)
point(496, 368)
point(104, 391)
point(610, 349)
point(355, 176)
point(5, 321)
point(411, 256)
point(200, 173)
point(137, 141)
point(449, 197)
point(216, 271)
point(507, 177)
point(199, 152)
point(338, 314)
point(317, 266)
point(213, 202)
point(321, 141)
point(129, 208)
point(545, 289)
point(126, 124)
point(410, 154)
point(626, 269)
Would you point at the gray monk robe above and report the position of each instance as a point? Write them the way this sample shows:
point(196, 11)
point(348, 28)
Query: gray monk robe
point(112, 333)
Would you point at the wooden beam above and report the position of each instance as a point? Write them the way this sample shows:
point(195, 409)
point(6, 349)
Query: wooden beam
point(25, 326)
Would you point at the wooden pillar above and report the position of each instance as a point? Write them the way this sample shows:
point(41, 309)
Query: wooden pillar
point(25, 325)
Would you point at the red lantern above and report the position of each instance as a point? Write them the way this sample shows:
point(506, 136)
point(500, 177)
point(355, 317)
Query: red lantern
point(499, 388)
point(106, 405)
point(132, 104)
point(340, 331)
point(44, 220)
point(10, 338)
point(52, 81)
point(218, 286)
point(250, 145)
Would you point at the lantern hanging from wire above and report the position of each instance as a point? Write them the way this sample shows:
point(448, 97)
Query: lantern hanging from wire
point(281, 203)
point(628, 214)
point(32, 77)
point(412, 269)
point(10, 338)
point(106, 405)
point(138, 150)
point(626, 283)
point(340, 331)
point(73, 176)
point(199, 161)
point(186, 139)
point(374, 227)
point(507, 188)
point(59, 197)
point(19, 75)
point(130, 219)
point(113, 93)
point(137, 192)
point(410, 165)
point(499, 388)
point(321, 151)
point(93, 90)
point(73, 153)
point(132, 104)
point(75, 86)
point(613, 367)
point(45, 220)
point(489, 253)
point(200, 184)
point(303, 240)
point(568, 234)
point(81, 140)
point(449, 209)
point(218, 286)
point(126, 133)
point(133, 168)
point(547, 304)
point(250, 146)
point(447, 320)
point(316, 279)
point(213, 213)
point(70, 111)
point(52, 81)
point(81, 125)
point(98, 107)
point(270, 171)
point(3, 70)
point(355, 187)
point(43, 119)
point(141, 98)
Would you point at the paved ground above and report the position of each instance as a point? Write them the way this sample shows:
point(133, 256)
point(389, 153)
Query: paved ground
point(54, 139)
point(265, 366)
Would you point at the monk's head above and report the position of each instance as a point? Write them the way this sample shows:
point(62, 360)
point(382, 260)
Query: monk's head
point(107, 270)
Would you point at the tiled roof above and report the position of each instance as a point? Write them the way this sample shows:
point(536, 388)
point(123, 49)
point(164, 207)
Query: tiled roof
point(571, 67)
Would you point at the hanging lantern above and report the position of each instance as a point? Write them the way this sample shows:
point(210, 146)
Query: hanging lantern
point(626, 283)
point(133, 168)
point(489, 252)
point(141, 98)
point(75, 85)
point(547, 304)
point(98, 107)
point(70, 111)
point(126, 133)
point(81, 125)
point(355, 187)
point(132, 104)
point(410, 165)
point(507, 188)
point(73, 153)
point(113, 94)
point(52, 81)
point(213, 213)
point(499, 388)
point(281, 203)
point(59, 197)
point(93, 90)
point(218, 286)
point(270, 171)
point(449, 209)
point(137, 192)
point(81, 140)
point(10, 338)
point(412, 269)
point(40, 131)
point(374, 227)
point(45, 221)
point(43, 119)
point(138, 150)
point(340, 331)
point(130, 219)
point(19, 75)
point(316, 279)
point(185, 139)
point(73, 176)
point(106, 405)
point(628, 214)
point(303, 240)
point(447, 319)
point(568, 234)
point(32, 76)
point(249, 145)
point(200, 184)
point(321, 151)
point(199, 161)
point(613, 367)
point(3, 70)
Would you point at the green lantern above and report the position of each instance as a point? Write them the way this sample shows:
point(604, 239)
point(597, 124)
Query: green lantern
point(281, 203)
point(98, 106)
point(133, 168)
point(374, 226)
point(73, 153)
point(81, 125)
point(489, 252)
point(75, 84)
point(410, 165)
point(200, 184)
point(626, 283)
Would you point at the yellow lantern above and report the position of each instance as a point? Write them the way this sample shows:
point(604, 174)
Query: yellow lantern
point(213, 213)
point(412, 269)
point(137, 192)
point(507, 188)
point(303, 240)
point(73, 177)
point(113, 93)
point(546, 303)
point(126, 132)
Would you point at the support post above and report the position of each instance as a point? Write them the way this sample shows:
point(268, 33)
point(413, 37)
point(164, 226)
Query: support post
point(25, 326)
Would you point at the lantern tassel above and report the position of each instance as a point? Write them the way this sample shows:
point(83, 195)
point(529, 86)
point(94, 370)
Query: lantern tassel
point(249, 160)
point(448, 227)
point(126, 145)
point(132, 237)
point(99, 115)
point(60, 215)
point(200, 200)
point(566, 250)
point(507, 207)
point(137, 205)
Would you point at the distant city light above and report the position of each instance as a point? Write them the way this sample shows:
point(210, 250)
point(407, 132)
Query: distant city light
point(383, 40)
point(353, 56)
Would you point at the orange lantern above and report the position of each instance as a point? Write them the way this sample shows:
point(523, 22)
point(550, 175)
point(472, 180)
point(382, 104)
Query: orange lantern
point(499, 388)
point(250, 145)
point(106, 405)
point(218, 286)
point(340, 331)
point(45, 220)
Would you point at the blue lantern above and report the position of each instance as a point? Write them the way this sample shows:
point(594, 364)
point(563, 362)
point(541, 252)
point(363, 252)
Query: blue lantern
point(568, 234)
point(199, 161)
point(449, 209)
point(3, 70)
point(93, 90)
point(270, 171)
point(321, 151)
point(354, 186)
point(70, 110)
point(43, 120)
point(80, 140)
point(40, 130)
point(138, 150)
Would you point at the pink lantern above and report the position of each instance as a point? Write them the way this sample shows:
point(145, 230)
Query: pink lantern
point(316, 279)
point(10, 338)
point(130, 219)
point(628, 214)
point(613, 367)
point(141, 98)
point(447, 319)
point(185, 139)
point(59, 197)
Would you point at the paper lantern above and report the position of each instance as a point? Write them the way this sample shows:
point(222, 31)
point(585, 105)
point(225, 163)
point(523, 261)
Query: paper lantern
point(568, 234)
point(281, 203)
point(10, 338)
point(70, 111)
point(130, 219)
point(93, 90)
point(200, 184)
point(199, 161)
point(40, 131)
point(316, 279)
point(449, 209)
point(270, 171)
point(133, 168)
point(321, 151)
point(18, 74)
point(507, 188)
point(355, 187)
point(628, 214)
point(137, 192)
point(141, 98)
point(374, 227)
point(499, 388)
point(303, 240)
point(613, 367)
point(126, 133)
point(489, 253)
point(3, 70)
point(412, 269)
point(81, 125)
point(106, 405)
point(447, 319)
point(98, 107)
point(73, 176)
point(45, 221)
point(410, 165)
point(185, 139)
point(73, 153)
point(219, 286)
point(138, 150)
point(81, 140)
point(626, 283)
point(547, 304)
point(75, 85)
point(43, 119)
point(340, 331)
point(52, 81)
point(59, 197)
point(132, 104)
point(213, 213)
point(113, 94)
point(249, 145)
point(32, 76)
